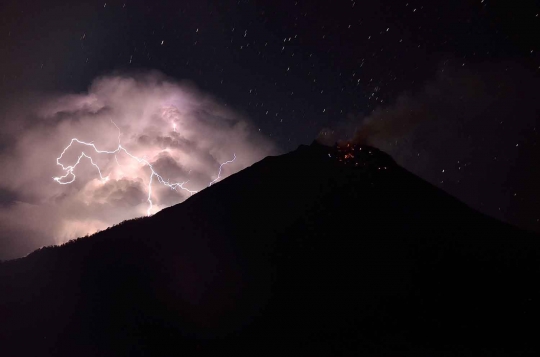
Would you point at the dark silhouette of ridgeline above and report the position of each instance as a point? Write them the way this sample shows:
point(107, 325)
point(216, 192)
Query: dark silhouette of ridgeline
point(322, 251)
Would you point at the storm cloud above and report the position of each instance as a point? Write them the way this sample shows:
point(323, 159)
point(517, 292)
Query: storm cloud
point(183, 133)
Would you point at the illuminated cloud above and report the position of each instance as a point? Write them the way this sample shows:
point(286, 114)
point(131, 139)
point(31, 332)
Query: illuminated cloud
point(184, 134)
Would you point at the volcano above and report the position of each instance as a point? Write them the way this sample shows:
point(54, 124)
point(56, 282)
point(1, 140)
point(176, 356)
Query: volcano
point(321, 251)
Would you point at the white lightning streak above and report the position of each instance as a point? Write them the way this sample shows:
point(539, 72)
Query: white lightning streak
point(69, 169)
point(220, 167)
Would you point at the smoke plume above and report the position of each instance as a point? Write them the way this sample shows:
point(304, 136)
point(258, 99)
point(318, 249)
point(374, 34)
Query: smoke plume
point(472, 130)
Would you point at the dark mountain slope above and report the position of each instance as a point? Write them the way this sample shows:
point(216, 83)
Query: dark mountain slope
point(322, 251)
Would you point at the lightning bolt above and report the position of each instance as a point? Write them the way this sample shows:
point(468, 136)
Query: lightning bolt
point(220, 167)
point(69, 170)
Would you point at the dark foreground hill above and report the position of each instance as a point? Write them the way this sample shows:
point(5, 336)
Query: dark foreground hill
point(322, 251)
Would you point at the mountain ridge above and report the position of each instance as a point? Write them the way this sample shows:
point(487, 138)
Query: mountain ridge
point(329, 250)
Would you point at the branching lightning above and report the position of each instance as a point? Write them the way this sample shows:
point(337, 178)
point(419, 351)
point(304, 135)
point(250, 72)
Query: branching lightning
point(69, 170)
point(220, 167)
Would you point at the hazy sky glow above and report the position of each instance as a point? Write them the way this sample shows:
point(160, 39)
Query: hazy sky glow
point(184, 134)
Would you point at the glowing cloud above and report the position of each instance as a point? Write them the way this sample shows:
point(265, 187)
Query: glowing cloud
point(130, 146)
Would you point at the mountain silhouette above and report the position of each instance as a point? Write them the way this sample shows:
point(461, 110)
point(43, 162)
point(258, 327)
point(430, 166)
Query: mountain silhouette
point(321, 251)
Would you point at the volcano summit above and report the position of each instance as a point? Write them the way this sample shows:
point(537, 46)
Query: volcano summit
point(321, 251)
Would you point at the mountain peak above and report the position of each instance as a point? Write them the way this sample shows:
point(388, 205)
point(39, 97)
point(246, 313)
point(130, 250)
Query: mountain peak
point(327, 249)
point(355, 155)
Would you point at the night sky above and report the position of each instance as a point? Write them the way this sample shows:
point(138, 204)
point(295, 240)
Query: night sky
point(449, 88)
